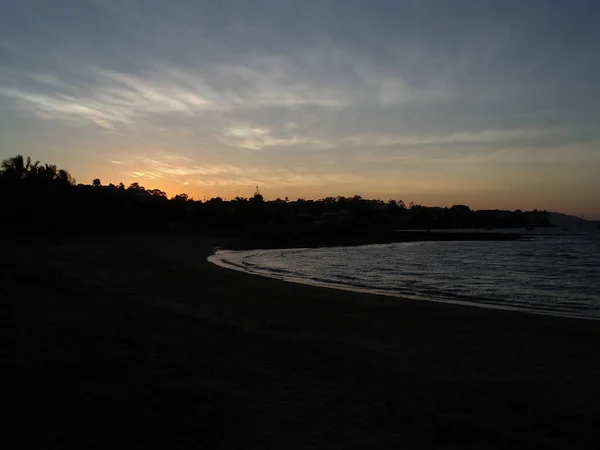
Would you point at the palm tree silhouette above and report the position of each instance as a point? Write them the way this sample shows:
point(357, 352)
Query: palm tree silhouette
point(47, 172)
point(17, 168)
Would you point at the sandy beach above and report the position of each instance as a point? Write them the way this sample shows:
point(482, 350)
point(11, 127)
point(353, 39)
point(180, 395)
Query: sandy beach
point(138, 342)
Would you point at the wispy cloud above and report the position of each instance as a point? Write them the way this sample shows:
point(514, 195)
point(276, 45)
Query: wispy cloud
point(477, 137)
point(258, 138)
point(502, 154)
point(391, 90)
point(263, 81)
point(109, 98)
point(58, 106)
point(175, 166)
point(231, 176)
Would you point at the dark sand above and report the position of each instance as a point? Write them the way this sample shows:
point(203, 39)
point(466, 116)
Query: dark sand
point(139, 343)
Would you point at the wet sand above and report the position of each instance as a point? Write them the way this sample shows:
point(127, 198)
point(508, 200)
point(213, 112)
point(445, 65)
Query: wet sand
point(138, 342)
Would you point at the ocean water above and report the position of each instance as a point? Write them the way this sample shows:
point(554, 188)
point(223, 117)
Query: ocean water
point(551, 274)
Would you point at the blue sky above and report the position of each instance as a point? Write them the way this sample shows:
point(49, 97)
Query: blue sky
point(489, 103)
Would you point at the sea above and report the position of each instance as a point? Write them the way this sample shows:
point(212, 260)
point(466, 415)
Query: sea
point(555, 273)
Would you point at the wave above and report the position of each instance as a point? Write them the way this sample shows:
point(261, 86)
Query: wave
point(384, 270)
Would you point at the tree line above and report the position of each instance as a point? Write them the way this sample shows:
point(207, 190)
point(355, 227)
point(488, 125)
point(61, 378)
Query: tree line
point(42, 198)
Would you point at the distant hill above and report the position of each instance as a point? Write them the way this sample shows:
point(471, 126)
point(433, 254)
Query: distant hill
point(572, 222)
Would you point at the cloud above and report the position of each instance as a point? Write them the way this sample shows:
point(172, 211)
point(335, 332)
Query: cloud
point(268, 81)
point(230, 176)
point(58, 106)
point(476, 137)
point(172, 165)
point(391, 89)
point(112, 97)
point(271, 181)
point(569, 154)
point(312, 78)
point(258, 138)
point(502, 155)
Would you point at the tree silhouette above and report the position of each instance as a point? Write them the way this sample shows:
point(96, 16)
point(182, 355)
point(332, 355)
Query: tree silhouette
point(47, 172)
point(181, 198)
point(17, 168)
point(42, 198)
point(66, 178)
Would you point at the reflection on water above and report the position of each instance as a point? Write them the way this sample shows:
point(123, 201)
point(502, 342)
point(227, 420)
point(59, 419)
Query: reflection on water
point(557, 274)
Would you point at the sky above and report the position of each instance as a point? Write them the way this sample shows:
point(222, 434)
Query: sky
point(493, 104)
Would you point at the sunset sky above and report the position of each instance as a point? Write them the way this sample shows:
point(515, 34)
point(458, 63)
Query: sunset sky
point(494, 104)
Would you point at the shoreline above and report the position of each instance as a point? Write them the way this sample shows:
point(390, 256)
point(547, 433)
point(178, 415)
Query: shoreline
point(141, 342)
point(214, 259)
